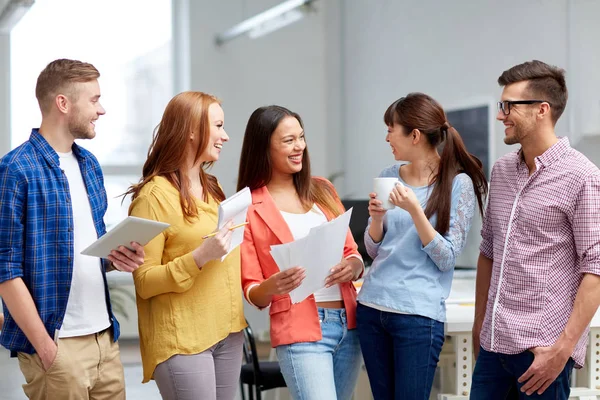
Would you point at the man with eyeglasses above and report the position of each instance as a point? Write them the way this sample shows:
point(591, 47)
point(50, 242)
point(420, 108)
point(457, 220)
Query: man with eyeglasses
point(538, 283)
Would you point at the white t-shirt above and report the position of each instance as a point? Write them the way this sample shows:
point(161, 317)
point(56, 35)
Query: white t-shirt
point(300, 225)
point(86, 308)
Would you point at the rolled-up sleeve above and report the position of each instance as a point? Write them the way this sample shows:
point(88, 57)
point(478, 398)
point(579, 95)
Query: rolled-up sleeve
point(12, 203)
point(252, 274)
point(487, 230)
point(371, 246)
point(586, 225)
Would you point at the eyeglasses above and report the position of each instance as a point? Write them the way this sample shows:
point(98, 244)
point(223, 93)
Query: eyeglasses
point(505, 105)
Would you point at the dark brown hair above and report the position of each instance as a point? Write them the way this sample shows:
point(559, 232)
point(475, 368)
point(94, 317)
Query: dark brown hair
point(256, 167)
point(420, 111)
point(59, 76)
point(545, 82)
point(187, 112)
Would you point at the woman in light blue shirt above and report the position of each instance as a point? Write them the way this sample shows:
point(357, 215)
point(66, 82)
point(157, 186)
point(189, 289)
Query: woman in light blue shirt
point(414, 247)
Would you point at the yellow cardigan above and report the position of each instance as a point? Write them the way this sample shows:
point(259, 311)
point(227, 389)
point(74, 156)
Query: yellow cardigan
point(182, 309)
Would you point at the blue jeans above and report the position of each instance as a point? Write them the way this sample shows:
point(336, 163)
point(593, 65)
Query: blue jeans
point(495, 377)
point(327, 369)
point(401, 352)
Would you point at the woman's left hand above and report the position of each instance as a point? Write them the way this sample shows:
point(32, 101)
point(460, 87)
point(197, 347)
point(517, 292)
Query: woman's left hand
point(345, 271)
point(405, 198)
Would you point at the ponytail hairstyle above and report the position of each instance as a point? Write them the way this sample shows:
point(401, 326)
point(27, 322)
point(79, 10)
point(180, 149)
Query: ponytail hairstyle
point(256, 167)
point(420, 111)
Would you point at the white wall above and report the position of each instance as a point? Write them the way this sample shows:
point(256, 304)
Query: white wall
point(342, 67)
point(455, 52)
point(296, 67)
point(4, 94)
point(287, 68)
point(584, 64)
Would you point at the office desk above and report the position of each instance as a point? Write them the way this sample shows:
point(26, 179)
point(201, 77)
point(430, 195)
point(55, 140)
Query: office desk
point(458, 328)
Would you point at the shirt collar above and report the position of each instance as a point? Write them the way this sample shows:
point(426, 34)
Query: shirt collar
point(42, 145)
point(554, 153)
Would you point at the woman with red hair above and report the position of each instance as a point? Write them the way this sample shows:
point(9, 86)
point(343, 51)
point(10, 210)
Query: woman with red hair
point(189, 301)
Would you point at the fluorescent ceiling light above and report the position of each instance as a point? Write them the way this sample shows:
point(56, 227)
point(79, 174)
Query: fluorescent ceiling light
point(276, 23)
point(12, 13)
point(267, 21)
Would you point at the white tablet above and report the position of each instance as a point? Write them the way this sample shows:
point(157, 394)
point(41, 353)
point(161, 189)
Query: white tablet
point(131, 229)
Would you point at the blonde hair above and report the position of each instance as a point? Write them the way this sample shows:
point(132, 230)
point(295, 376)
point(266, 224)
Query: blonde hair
point(58, 77)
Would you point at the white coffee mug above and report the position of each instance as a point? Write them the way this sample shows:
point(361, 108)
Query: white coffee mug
point(383, 188)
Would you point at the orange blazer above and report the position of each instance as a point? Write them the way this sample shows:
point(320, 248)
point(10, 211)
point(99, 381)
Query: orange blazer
point(290, 323)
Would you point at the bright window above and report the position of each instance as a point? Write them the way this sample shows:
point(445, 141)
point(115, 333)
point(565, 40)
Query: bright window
point(130, 43)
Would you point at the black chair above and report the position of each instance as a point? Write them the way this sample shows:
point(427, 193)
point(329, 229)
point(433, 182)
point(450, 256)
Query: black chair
point(358, 224)
point(258, 375)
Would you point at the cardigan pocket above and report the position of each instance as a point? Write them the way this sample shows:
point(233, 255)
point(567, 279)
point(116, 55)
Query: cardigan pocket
point(281, 304)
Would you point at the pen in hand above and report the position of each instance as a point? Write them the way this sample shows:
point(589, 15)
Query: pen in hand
point(232, 228)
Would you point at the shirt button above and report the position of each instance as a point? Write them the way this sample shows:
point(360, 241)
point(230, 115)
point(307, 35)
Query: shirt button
point(69, 259)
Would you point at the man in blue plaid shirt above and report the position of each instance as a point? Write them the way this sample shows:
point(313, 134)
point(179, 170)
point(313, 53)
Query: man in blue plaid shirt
point(59, 322)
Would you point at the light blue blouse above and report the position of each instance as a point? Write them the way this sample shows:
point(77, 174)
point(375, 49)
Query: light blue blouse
point(405, 276)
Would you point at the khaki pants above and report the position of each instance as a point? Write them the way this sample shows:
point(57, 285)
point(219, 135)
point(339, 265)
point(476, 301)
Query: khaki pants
point(85, 368)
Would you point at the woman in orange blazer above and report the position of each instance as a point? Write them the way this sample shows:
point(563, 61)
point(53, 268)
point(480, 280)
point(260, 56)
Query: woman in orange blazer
point(316, 340)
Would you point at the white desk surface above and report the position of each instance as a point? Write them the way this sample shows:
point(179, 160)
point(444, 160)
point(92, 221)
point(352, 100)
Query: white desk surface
point(460, 307)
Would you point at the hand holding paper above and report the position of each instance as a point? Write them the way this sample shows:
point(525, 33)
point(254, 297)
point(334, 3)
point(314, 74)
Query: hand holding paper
point(285, 281)
point(215, 246)
point(317, 253)
point(343, 272)
point(232, 228)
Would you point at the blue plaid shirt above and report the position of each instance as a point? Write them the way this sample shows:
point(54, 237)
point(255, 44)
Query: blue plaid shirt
point(36, 231)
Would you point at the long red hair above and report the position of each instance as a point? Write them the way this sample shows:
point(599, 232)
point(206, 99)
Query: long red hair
point(187, 112)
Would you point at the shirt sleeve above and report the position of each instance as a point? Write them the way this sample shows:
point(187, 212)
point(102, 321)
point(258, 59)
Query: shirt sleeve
point(586, 226)
point(12, 209)
point(371, 246)
point(487, 230)
point(252, 274)
point(153, 277)
point(444, 249)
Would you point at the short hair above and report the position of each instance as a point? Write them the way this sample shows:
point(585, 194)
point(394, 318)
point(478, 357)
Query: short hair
point(59, 76)
point(546, 82)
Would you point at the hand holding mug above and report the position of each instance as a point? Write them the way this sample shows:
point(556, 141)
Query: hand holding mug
point(376, 211)
point(382, 187)
point(405, 198)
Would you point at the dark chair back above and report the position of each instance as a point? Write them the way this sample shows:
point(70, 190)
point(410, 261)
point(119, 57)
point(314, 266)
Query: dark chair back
point(250, 354)
point(258, 375)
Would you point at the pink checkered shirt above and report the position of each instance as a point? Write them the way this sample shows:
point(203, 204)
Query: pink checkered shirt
point(543, 233)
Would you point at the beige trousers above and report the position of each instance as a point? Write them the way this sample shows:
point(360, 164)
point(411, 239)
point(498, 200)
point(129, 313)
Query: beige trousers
point(85, 368)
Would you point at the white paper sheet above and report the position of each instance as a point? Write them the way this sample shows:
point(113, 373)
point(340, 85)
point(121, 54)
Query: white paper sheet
point(317, 253)
point(235, 209)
